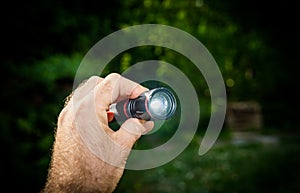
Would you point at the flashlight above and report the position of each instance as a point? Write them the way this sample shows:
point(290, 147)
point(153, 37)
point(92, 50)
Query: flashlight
point(155, 104)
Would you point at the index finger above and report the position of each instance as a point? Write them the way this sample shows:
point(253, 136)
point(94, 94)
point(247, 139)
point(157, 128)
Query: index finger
point(114, 88)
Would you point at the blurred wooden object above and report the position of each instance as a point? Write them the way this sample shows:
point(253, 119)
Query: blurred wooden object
point(244, 116)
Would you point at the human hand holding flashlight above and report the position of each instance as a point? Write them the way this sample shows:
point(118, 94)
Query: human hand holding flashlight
point(76, 165)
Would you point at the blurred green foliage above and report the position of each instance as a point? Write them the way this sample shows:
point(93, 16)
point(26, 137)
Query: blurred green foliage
point(45, 41)
point(250, 168)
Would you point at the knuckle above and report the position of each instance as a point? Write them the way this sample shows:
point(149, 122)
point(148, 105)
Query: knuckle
point(113, 76)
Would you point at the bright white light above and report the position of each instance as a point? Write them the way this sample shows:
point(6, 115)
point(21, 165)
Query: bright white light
point(159, 105)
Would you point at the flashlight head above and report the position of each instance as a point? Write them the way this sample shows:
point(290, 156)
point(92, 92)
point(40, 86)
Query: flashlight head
point(155, 104)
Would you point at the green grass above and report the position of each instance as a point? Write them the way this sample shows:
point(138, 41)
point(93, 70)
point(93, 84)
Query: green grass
point(226, 168)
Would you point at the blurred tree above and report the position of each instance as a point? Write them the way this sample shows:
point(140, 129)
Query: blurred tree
point(240, 51)
point(276, 59)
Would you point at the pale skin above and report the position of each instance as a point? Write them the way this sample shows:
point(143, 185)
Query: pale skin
point(77, 168)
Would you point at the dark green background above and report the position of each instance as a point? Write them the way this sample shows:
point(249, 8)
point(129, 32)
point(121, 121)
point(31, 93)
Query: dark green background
point(254, 44)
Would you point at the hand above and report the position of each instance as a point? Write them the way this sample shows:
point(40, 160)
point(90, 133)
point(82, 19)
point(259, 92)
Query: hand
point(87, 155)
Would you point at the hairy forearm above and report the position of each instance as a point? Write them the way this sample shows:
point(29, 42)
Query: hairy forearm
point(75, 169)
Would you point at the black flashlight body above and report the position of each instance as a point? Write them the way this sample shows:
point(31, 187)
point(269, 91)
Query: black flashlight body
point(155, 104)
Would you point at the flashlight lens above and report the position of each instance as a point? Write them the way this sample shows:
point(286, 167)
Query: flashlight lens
point(162, 105)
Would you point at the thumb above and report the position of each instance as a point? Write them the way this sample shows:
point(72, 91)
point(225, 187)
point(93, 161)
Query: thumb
point(131, 130)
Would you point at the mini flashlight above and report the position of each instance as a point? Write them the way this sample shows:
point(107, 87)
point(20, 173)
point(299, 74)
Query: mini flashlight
point(155, 104)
